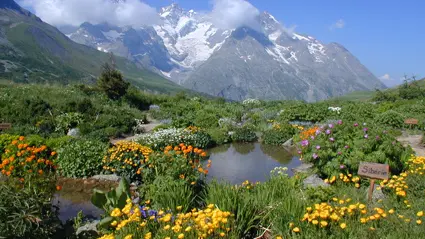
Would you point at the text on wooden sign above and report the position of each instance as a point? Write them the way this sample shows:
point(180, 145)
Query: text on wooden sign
point(411, 121)
point(374, 170)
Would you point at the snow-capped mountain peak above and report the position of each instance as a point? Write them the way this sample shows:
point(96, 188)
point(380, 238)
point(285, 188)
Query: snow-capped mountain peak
point(271, 62)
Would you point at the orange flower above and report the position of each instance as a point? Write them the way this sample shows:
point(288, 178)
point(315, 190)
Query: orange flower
point(14, 142)
point(40, 171)
point(182, 176)
point(53, 153)
point(8, 173)
point(21, 138)
point(58, 187)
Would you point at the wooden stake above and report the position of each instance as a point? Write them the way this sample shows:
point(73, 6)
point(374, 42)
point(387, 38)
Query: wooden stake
point(372, 185)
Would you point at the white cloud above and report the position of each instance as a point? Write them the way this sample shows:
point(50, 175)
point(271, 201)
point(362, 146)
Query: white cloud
point(230, 14)
point(390, 81)
point(385, 77)
point(75, 12)
point(338, 25)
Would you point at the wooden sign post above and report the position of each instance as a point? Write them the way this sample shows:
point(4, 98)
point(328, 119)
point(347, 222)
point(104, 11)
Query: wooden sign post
point(4, 126)
point(373, 171)
point(411, 122)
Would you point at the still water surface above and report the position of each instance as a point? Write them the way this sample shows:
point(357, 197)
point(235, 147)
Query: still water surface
point(234, 163)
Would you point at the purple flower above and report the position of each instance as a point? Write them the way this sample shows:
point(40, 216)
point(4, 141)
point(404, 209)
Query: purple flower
point(300, 152)
point(342, 166)
point(328, 131)
point(315, 156)
point(318, 147)
point(340, 122)
point(331, 126)
point(318, 132)
point(366, 136)
point(346, 146)
point(377, 137)
point(356, 124)
point(365, 129)
point(304, 143)
point(339, 153)
point(312, 137)
point(332, 139)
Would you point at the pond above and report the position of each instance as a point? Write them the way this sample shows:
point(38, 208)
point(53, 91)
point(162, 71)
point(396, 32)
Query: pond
point(238, 162)
point(234, 163)
point(75, 196)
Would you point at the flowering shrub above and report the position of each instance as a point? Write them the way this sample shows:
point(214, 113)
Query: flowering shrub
point(278, 134)
point(253, 102)
point(160, 139)
point(20, 159)
point(134, 221)
point(127, 159)
point(182, 162)
point(339, 148)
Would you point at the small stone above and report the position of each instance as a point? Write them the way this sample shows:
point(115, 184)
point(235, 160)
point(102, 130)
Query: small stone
point(377, 194)
point(74, 132)
point(107, 177)
point(89, 228)
point(288, 143)
point(303, 168)
point(314, 181)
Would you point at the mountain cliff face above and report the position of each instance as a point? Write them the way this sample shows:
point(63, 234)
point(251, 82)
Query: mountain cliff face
point(33, 51)
point(271, 63)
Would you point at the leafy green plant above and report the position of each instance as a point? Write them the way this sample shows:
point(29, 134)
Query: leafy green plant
point(278, 134)
point(391, 119)
point(68, 120)
point(26, 210)
point(81, 158)
point(107, 201)
point(244, 134)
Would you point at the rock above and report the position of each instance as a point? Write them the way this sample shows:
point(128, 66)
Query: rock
point(75, 132)
point(303, 168)
point(289, 142)
point(377, 194)
point(89, 228)
point(107, 177)
point(314, 181)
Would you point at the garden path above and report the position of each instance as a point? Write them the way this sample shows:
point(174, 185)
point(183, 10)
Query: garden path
point(415, 141)
point(147, 129)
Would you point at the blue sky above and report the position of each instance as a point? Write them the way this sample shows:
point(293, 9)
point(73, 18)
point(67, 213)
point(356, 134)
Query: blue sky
point(388, 37)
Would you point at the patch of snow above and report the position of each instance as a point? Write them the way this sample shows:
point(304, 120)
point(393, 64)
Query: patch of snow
point(167, 74)
point(317, 50)
point(299, 37)
point(85, 35)
point(293, 56)
point(273, 37)
point(165, 14)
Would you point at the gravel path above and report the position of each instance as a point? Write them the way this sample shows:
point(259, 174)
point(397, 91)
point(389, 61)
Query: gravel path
point(147, 129)
point(415, 141)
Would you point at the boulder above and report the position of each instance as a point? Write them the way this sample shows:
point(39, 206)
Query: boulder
point(75, 132)
point(89, 229)
point(289, 142)
point(303, 168)
point(107, 177)
point(314, 181)
point(377, 194)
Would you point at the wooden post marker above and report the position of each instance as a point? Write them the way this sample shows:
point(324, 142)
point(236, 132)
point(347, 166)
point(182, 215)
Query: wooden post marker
point(373, 171)
point(4, 126)
point(411, 122)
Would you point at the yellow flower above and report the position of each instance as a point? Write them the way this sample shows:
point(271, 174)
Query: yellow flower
point(179, 208)
point(128, 237)
point(420, 214)
point(419, 222)
point(181, 236)
point(343, 225)
point(323, 223)
point(315, 222)
point(222, 234)
point(296, 229)
point(279, 237)
point(167, 227)
point(188, 229)
point(391, 211)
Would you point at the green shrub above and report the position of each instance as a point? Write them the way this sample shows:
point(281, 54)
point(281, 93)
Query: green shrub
point(5, 140)
point(112, 83)
point(244, 134)
point(26, 211)
point(219, 136)
point(391, 119)
point(81, 158)
point(278, 134)
point(57, 143)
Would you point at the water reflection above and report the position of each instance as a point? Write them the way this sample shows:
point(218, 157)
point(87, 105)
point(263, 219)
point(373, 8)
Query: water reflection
point(248, 161)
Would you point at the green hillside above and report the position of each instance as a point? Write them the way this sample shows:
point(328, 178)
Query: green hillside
point(32, 51)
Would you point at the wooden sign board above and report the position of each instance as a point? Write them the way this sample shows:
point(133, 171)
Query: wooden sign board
point(411, 121)
point(374, 170)
point(5, 126)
